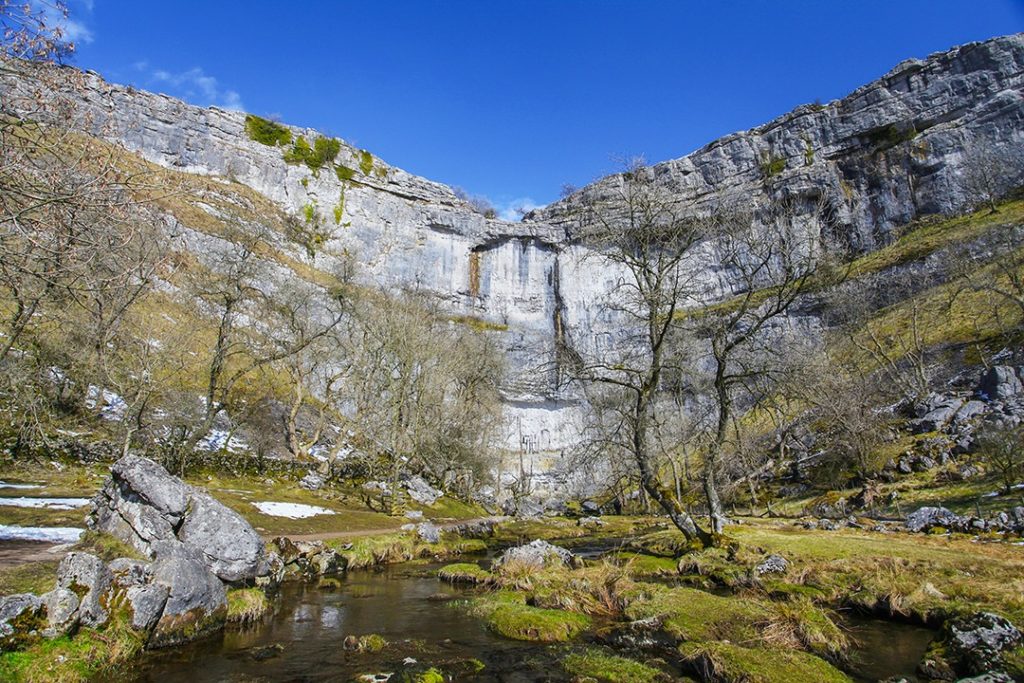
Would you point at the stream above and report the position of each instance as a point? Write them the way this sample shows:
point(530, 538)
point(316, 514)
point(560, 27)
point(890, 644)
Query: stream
point(412, 609)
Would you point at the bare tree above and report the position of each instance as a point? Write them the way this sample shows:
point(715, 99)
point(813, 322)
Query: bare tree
point(1000, 448)
point(990, 170)
point(640, 231)
point(422, 390)
point(773, 259)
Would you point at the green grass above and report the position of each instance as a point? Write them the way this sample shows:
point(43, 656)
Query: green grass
point(30, 577)
point(365, 162)
point(247, 606)
point(90, 653)
point(600, 665)
point(508, 615)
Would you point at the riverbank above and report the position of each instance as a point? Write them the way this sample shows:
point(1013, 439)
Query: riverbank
point(778, 601)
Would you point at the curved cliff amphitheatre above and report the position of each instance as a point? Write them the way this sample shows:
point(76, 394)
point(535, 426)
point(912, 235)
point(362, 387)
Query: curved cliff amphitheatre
point(272, 408)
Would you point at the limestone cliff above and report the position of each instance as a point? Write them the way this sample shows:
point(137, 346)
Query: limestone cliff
point(885, 154)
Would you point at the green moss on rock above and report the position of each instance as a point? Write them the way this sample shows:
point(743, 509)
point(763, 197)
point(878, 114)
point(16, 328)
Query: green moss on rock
point(465, 572)
point(728, 663)
point(691, 614)
point(508, 615)
point(607, 668)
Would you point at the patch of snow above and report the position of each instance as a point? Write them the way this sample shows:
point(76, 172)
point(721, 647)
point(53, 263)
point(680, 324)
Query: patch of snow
point(48, 503)
point(221, 438)
point(113, 406)
point(51, 534)
point(291, 510)
point(5, 485)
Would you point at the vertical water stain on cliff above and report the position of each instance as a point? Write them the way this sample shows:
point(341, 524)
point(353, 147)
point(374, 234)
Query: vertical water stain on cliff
point(474, 273)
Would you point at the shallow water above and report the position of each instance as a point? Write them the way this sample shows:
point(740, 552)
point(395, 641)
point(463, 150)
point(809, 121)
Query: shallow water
point(421, 616)
point(400, 603)
point(887, 649)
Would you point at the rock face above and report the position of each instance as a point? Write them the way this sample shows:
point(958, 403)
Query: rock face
point(887, 153)
point(147, 507)
point(87, 576)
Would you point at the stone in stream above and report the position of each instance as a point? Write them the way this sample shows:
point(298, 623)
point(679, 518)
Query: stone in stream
point(537, 553)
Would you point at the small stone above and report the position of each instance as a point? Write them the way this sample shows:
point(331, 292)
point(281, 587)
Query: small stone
point(773, 564)
point(429, 532)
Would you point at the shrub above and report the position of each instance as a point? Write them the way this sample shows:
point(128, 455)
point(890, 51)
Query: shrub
point(344, 173)
point(323, 151)
point(772, 165)
point(365, 162)
point(267, 132)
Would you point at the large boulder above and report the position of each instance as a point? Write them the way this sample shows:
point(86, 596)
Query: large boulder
point(930, 517)
point(196, 601)
point(230, 546)
point(537, 553)
point(149, 508)
point(1000, 383)
point(140, 503)
point(89, 578)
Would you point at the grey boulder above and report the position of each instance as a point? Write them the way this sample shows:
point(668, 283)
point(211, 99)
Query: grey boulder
point(773, 564)
point(999, 383)
point(196, 601)
point(429, 532)
point(88, 577)
point(231, 547)
point(146, 506)
point(21, 620)
point(61, 612)
point(930, 517)
point(976, 642)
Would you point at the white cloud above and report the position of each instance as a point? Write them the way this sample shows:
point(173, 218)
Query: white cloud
point(73, 30)
point(513, 209)
point(194, 85)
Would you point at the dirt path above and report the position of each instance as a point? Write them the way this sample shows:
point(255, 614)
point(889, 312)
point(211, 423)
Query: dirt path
point(324, 536)
point(14, 553)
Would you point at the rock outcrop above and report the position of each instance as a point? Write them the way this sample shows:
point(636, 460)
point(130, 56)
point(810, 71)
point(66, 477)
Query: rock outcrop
point(889, 152)
point(198, 548)
point(155, 512)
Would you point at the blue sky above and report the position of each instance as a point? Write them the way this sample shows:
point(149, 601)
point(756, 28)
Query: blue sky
point(512, 99)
